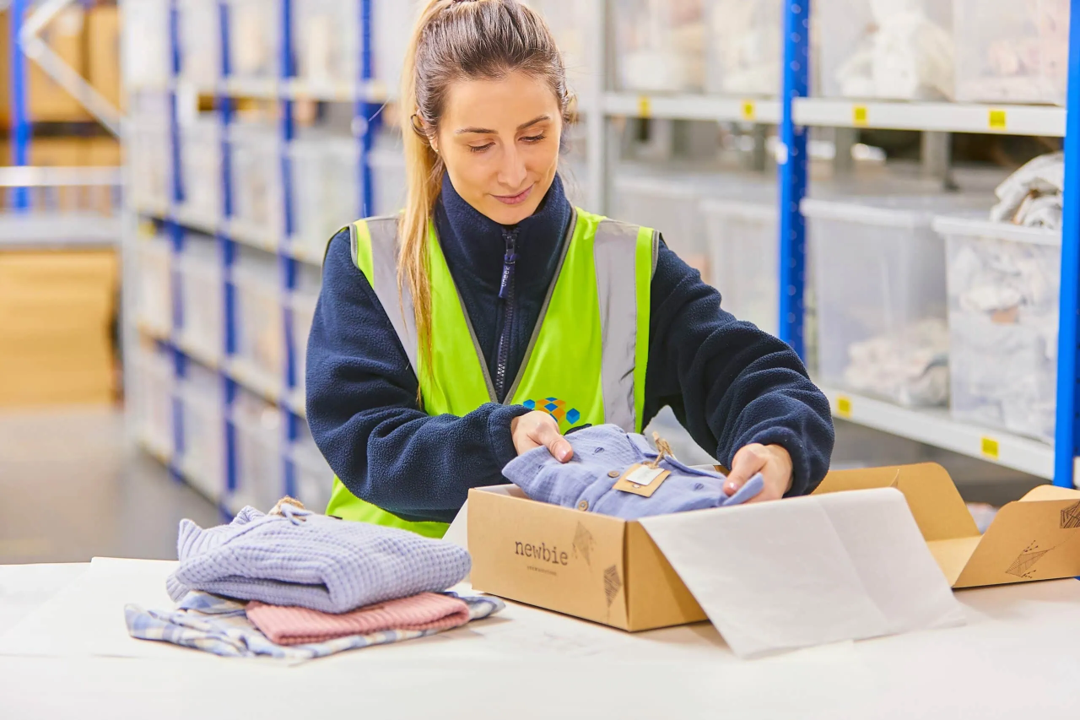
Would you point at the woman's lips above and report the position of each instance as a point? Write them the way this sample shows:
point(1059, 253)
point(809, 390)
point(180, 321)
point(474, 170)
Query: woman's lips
point(515, 199)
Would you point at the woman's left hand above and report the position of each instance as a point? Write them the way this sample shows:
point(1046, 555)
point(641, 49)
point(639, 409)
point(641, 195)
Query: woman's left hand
point(774, 464)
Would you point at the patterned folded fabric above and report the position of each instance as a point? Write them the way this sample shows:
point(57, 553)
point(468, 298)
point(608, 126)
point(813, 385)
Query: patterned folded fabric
point(299, 626)
point(219, 626)
point(301, 559)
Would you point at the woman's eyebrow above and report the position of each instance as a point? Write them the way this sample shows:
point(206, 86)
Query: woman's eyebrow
point(487, 131)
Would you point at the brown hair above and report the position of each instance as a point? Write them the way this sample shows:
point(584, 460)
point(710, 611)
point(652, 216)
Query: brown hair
point(457, 40)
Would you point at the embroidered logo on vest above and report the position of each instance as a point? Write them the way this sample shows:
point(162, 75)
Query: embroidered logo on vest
point(557, 409)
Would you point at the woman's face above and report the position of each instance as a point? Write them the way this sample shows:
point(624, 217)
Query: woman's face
point(499, 140)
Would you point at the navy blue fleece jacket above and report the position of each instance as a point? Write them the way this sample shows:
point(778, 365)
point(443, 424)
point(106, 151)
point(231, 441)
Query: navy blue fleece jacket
point(729, 383)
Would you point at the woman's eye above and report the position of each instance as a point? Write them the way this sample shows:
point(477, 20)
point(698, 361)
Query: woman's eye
point(480, 148)
point(533, 138)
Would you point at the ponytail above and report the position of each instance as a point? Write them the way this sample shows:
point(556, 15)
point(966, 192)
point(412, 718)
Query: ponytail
point(455, 40)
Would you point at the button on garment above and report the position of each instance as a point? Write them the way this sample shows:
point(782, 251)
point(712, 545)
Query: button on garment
point(586, 482)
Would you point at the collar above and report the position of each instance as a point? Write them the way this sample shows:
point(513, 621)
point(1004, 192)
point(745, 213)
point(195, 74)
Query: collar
point(474, 244)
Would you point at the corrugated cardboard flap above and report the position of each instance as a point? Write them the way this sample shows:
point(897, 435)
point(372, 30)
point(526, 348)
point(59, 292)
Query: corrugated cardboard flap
point(935, 502)
point(1035, 538)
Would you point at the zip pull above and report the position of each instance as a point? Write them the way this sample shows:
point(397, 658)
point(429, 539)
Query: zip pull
point(509, 262)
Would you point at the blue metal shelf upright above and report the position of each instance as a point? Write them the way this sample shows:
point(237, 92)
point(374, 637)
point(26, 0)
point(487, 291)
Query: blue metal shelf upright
point(1067, 440)
point(20, 116)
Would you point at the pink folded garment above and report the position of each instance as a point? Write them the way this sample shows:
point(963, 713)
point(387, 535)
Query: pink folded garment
point(300, 626)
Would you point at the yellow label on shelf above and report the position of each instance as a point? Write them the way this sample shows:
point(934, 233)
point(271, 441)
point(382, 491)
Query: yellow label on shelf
point(749, 110)
point(147, 229)
point(843, 406)
point(644, 106)
point(990, 448)
point(997, 120)
point(859, 115)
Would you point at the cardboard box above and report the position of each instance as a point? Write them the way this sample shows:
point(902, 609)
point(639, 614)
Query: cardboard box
point(103, 51)
point(56, 310)
point(610, 571)
point(47, 101)
point(558, 558)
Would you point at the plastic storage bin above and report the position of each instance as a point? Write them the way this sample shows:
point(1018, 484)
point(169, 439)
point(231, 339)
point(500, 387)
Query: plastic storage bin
point(744, 258)
point(149, 150)
point(200, 162)
point(153, 398)
point(200, 42)
point(392, 24)
point(203, 459)
point(146, 53)
point(892, 49)
point(303, 312)
point(1012, 52)
point(255, 38)
point(1003, 284)
point(669, 204)
point(203, 292)
point(326, 191)
point(879, 278)
point(258, 199)
point(744, 47)
point(388, 173)
point(260, 471)
point(155, 304)
point(570, 22)
point(260, 327)
point(659, 45)
point(314, 478)
point(328, 40)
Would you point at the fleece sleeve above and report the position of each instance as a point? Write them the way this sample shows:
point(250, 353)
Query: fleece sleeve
point(729, 383)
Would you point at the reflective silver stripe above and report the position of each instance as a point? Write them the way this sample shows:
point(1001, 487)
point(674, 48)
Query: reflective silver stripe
point(398, 306)
point(614, 254)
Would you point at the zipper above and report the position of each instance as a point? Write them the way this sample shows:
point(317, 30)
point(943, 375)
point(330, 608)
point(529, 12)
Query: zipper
point(507, 295)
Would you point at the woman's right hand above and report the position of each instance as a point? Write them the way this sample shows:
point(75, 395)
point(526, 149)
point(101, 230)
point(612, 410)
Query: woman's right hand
point(538, 429)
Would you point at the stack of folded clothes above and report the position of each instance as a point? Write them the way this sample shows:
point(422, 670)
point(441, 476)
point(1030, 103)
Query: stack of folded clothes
point(295, 585)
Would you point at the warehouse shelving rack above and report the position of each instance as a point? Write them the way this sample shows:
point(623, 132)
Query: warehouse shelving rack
point(794, 111)
point(367, 96)
point(21, 227)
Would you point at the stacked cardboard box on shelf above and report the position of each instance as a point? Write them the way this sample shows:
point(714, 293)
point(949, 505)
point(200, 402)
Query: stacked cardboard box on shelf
point(88, 41)
point(47, 100)
point(56, 311)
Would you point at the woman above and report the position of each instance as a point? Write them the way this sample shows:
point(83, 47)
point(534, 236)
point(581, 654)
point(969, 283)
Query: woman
point(491, 317)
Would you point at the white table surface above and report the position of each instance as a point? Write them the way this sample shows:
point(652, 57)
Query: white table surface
point(1019, 656)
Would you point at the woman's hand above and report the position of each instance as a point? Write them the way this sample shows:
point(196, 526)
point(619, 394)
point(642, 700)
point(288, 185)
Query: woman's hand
point(538, 429)
point(774, 464)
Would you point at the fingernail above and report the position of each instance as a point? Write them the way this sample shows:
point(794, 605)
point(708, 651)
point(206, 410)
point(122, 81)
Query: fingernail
point(731, 486)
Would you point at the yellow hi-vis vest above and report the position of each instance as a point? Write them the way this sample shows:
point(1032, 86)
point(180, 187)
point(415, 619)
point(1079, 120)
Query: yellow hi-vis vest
point(585, 363)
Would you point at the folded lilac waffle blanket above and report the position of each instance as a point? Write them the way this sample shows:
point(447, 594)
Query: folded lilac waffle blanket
point(306, 560)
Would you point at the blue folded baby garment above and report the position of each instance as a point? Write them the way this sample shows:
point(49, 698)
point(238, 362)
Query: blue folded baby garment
point(602, 454)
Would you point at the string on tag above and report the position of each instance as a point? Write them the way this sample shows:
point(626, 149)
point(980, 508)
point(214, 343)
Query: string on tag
point(663, 450)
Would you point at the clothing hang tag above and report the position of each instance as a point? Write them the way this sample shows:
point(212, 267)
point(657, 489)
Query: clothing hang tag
point(641, 480)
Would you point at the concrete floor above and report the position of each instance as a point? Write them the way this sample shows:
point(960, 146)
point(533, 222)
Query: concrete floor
point(74, 488)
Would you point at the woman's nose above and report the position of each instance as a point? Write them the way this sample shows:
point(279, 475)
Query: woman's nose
point(512, 170)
